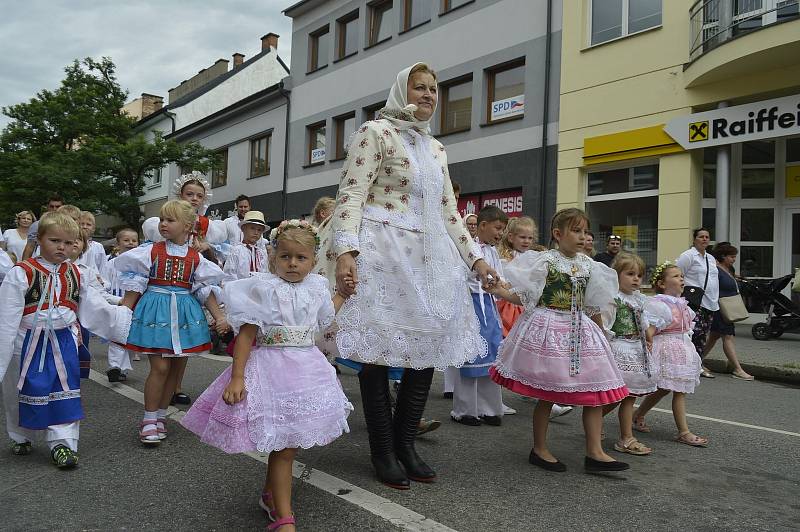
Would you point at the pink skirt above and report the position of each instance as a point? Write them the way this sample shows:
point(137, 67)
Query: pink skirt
point(599, 398)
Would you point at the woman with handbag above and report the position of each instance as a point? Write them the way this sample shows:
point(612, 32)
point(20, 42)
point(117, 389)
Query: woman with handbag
point(701, 289)
point(731, 308)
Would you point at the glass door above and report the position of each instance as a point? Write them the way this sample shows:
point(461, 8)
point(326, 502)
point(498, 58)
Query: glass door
point(793, 253)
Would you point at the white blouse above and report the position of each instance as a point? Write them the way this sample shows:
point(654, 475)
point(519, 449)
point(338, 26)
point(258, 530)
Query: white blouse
point(237, 265)
point(15, 243)
point(268, 301)
point(694, 266)
point(94, 313)
point(133, 268)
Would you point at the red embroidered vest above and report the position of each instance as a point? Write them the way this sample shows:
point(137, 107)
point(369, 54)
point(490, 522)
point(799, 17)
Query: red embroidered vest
point(69, 278)
point(168, 270)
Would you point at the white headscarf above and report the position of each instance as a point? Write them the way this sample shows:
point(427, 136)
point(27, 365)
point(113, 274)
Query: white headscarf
point(398, 111)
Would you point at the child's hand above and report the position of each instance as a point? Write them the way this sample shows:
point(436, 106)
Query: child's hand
point(222, 326)
point(349, 286)
point(201, 246)
point(235, 391)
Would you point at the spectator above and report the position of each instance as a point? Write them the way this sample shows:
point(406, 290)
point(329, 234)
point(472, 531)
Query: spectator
point(588, 244)
point(613, 246)
point(471, 221)
point(725, 254)
point(53, 204)
point(323, 209)
point(232, 222)
point(14, 240)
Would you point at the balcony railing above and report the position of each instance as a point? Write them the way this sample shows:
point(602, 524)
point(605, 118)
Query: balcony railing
point(715, 22)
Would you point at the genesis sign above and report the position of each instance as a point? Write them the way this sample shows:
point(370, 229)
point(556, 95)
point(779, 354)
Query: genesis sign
point(741, 123)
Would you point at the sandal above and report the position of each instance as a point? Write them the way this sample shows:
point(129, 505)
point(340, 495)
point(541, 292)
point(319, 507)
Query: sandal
point(265, 502)
point(161, 428)
point(691, 439)
point(639, 425)
point(181, 398)
point(149, 436)
point(745, 377)
point(280, 522)
point(632, 446)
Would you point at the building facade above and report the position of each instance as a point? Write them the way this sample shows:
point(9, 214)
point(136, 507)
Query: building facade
point(241, 112)
point(667, 124)
point(498, 68)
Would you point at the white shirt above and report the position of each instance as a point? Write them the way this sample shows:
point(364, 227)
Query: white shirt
point(492, 258)
point(694, 267)
point(94, 256)
point(233, 230)
point(14, 243)
point(241, 258)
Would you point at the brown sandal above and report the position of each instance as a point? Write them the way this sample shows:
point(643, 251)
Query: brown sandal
point(632, 446)
point(639, 425)
point(691, 439)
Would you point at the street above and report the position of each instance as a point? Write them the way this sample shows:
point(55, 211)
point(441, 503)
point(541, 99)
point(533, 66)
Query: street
point(746, 479)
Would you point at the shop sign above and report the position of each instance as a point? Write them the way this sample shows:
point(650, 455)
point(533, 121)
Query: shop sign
point(741, 123)
point(509, 201)
point(318, 155)
point(793, 181)
point(508, 107)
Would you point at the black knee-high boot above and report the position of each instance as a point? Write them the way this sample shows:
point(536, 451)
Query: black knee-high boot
point(374, 382)
point(411, 401)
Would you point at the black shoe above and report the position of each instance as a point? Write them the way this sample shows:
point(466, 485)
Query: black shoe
point(64, 457)
point(447, 395)
point(494, 421)
point(123, 377)
point(181, 398)
point(596, 466)
point(374, 383)
point(556, 467)
point(113, 374)
point(21, 449)
point(411, 398)
point(471, 421)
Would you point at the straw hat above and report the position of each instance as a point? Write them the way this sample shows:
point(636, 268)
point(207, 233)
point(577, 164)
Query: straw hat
point(253, 217)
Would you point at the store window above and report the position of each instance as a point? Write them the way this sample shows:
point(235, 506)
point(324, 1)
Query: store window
point(415, 13)
point(456, 105)
point(345, 126)
point(347, 40)
point(259, 156)
point(507, 92)
point(219, 173)
point(319, 49)
point(380, 21)
point(316, 143)
point(612, 19)
point(624, 202)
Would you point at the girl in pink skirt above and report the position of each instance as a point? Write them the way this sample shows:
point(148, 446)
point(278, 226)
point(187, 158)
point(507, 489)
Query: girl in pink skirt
point(281, 394)
point(556, 351)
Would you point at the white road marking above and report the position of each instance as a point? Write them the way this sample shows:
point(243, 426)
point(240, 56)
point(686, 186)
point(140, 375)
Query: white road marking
point(396, 514)
point(734, 423)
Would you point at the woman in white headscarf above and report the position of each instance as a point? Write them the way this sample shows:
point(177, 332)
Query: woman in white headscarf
point(396, 236)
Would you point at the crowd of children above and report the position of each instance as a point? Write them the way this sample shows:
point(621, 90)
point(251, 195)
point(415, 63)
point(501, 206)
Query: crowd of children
point(561, 329)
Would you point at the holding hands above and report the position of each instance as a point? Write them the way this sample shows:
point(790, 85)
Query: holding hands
point(235, 391)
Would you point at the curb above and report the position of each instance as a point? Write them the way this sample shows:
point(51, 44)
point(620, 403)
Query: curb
point(771, 373)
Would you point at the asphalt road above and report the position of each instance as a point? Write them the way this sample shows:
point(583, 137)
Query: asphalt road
point(747, 479)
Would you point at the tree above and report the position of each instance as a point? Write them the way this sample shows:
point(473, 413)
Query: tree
point(76, 141)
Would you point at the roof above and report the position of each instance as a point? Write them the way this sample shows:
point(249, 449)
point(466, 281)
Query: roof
point(301, 7)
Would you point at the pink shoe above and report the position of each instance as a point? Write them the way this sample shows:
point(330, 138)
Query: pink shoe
point(265, 502)
point(162, 429)
point(150, 436)
point(280, 522)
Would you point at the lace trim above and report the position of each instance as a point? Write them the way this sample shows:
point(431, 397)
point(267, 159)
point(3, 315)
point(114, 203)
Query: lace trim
point(594, 387)
point(45, 399)
point(564, 264)
point(132, 282)
point(344, 241)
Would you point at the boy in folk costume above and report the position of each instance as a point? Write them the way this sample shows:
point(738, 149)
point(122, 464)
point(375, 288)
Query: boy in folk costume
point(44, 297)
point(119, 360)
point(249, 255)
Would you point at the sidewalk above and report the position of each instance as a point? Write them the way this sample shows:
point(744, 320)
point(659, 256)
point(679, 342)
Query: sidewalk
point(777, 359)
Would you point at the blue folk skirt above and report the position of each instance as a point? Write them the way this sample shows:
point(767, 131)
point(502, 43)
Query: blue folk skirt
point(491, 331)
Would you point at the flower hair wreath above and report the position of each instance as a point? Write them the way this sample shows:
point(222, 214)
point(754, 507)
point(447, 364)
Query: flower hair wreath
point(654, 278)
point(293, 224)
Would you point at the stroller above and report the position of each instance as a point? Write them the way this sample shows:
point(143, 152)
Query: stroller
point(764, 295)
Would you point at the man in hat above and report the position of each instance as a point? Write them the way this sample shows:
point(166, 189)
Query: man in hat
point(249, 255)
point(613, 247)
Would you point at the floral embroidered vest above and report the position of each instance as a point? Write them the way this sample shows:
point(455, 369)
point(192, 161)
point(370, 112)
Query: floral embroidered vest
point(169, 270)
point(69, 278)
point(626, 324)
point(557, 293)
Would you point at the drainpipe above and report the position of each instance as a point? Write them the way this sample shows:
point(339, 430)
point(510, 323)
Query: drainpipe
point(172, 118)
point(285, 192)
point(545, 118)
point(722, 218)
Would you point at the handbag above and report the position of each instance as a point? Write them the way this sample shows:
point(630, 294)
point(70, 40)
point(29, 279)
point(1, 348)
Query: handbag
point(732, 308)
point(694, 294)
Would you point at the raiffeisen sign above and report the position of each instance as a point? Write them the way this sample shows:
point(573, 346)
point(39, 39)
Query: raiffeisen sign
point(741, 123)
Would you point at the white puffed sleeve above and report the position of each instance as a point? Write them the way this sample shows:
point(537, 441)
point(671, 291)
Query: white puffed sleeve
point(527, 275)
point(112, 322)
point(150, 230)
point(217, 232)
point(5, 264)
point(207, 279)
point(656, 313)
point(133, 268)
point(246, 300)
point(326, 312)
point(12, 294)
point(600, 292)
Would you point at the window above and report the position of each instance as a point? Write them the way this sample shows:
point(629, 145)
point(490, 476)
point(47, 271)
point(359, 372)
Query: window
point(625, 202)
point(316, 143)
point(507, 92)
point(259, 156)
point(154, 177)
point(758, 169)
point(416, 12)
point(611, 19)
point(793, 150)
point(219, 173)
point(345, 126)
point(319, 48)
point(380, 21)
point(449, 5)
point(372, 110)
point(347, 41)
point(456, 101)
